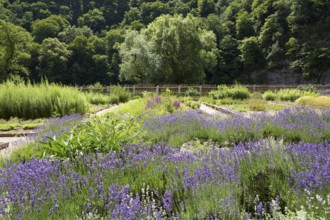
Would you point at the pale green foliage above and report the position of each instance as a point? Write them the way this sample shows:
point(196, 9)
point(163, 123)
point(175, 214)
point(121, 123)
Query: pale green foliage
point(14, 41)
point(138, 63)
point(171, 49)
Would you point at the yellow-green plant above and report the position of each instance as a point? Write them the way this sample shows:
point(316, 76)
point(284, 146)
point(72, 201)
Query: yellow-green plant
point(43, 100)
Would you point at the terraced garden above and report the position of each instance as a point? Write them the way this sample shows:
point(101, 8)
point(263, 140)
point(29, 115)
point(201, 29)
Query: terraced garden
point(155, 157)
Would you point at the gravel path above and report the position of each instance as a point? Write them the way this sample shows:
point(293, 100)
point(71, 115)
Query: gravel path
point(211, 111)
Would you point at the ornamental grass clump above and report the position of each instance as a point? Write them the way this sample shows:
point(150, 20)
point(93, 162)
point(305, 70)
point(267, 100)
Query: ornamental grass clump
point(43, 100)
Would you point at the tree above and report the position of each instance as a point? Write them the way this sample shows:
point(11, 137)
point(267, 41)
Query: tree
point(94, 19)
point(138, 62)
point(251, 55)
point(206, 7)
point(172, 49)
point(14, 43)
point(48, 27)
point(244, 25)
point(53, 59)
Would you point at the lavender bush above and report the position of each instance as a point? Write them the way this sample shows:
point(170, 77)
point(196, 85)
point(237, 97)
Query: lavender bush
point(292, 125)
point(163, 183)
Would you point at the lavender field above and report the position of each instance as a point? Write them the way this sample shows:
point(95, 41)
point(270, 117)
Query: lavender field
point(184, 165)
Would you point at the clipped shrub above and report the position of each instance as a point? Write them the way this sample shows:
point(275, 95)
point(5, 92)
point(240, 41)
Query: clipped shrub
point(239, 92)
point(123, 94)
point(289, 94)
point(257, 105)
point(40, 101)
point(192, 92)
point(235, 92)
point(269, 96)
point(293, 94)
point(321, 101)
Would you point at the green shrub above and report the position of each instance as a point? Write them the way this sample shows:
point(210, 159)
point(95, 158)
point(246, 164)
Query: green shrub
point(235, 92)
point(191, 92)
point(269, 96)
point(123, 94)
point(114, 99)
point(239, 92)
point(40, 101)
point(257, 105)
point(322, 101)
point(289, 94)
point(99, 134)
point(96, 87)
point(97, 98)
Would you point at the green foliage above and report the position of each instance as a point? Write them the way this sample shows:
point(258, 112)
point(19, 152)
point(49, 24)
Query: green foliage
point(114, 99)
point(15, 124)
point(104, 134)
point(321, 101)
point(234, 92)
point(307, 88)
point(223, 41)
point(191, 92)
point(123, 94)
point(256, 95)
point(14, 50)
point(172, 49)
point(289, 94)
point(98, 98)
point(269, 96)
point(257, 105)
point(40, 101)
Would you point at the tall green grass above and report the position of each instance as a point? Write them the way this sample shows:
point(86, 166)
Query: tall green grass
point(40, 101)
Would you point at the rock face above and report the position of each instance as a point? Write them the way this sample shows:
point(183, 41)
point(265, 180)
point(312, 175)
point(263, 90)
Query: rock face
point(285, 76)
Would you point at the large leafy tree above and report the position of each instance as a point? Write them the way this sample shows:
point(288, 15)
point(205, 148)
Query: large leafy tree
point(178, 51)
point(53, 60)
point(14, 52)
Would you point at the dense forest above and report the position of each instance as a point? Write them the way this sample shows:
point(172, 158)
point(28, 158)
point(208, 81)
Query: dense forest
point(165, 41)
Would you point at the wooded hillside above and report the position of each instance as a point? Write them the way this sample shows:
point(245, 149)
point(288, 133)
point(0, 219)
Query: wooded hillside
point(164, 41)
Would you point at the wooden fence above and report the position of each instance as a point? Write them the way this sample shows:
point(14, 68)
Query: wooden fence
point(202, 89)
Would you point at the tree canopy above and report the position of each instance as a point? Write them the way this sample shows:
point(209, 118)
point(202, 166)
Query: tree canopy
point(164, 41)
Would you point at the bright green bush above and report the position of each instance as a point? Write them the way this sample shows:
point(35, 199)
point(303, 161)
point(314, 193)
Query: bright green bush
point(289, 94)
point(191, 92)
point(40, 101)
point(234, 92)
point(123, 94)
point(98, 99)
point(269, 96)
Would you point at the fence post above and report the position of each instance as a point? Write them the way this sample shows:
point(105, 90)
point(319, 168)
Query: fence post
point(179, 89)
point(200, 90)
point(133, 90)
point(108, 89)
point(157, 90)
